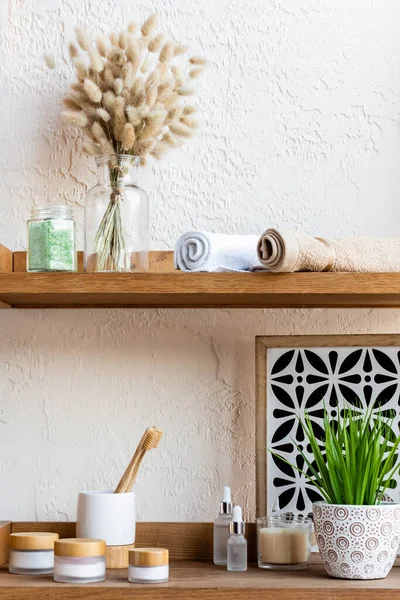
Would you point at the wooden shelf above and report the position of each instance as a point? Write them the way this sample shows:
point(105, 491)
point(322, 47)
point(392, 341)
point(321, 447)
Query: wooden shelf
point(163, 287)
point(192, 574)
point(204, 581)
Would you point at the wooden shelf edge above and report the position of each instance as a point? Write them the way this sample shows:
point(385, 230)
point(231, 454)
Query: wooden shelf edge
point(192, 581)
point(194, 578)
point(164, 287)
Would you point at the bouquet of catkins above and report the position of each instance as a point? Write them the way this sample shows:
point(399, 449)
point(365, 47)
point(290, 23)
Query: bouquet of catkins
point(131, 95)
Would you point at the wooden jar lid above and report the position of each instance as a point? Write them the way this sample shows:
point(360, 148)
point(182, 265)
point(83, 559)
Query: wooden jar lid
point(35, 540)
point(80, 547)
point(148, 557)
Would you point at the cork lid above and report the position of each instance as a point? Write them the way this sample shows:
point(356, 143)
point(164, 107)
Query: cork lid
point(35, 540)
point(80, 547)
point(148, 557)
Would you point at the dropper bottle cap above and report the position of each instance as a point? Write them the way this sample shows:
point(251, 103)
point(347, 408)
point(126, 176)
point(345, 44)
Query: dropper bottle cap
point(237, 525)
point(226, 505)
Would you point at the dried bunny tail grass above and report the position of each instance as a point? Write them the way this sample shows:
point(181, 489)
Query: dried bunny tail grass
point(122, 40)
point(154, 122)
point(119, 118)
point(171, 140)
point(92, 91)
point(113, 37)
point(180, 49)
point(96, 61)
point(155, 43)
point(78, 97)
point(173, 114)
point(185, 90)
point(100, 136)
point(75, 118)
point(133, 115)
point(198, 60)
point(143, 111)
point(189, 109)
point(82, 38)
point(116, 55)
point(171, 100)
point(101, 44)
point(109, 101)
point(139, 98)
point(149, 25)
point(49, 61)
point(153, 79)
point(118, 86)
point(167, 52)
point(91, 148)
point(70, 103)
point(151, 95)
point(128, 75)
point(159, 149)
point(132, 27)
point(143, 146)
point(128, 136)
point(195, 73)
point(73, 50)
point(189, 122)
point(80, 68)
point(115, 69)
point(108, 77)
point(138, 85)
point(103, 114)
point(77, 86)
point(178, 74)
point(126, 95)
point(132, 51)
point(88, 109)
point(164, 90)
point(180, 129)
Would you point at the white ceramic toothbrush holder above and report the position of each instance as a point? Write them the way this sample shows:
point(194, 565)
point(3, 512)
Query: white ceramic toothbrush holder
point(107, 516)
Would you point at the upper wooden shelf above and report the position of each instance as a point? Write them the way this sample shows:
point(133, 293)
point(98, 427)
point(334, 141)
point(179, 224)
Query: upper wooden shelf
point(164, 287)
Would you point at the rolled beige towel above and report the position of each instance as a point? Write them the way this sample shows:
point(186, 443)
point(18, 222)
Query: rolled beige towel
point(286, 251)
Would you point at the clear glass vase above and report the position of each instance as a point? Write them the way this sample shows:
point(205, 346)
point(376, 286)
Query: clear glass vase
point(117, 234)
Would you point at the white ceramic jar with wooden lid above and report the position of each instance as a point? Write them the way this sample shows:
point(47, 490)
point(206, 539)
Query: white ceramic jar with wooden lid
point(31, 553)
point(148, 565)
point(79, 560)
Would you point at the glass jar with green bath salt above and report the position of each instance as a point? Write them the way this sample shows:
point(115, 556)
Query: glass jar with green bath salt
point(51, 239)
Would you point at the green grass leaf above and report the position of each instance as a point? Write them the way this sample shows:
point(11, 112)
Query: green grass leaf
point(361, 455)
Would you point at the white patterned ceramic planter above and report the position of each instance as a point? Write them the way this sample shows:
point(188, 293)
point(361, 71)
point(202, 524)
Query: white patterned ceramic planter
point(357, 542)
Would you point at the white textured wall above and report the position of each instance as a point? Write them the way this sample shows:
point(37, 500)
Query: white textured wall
point(301, 110)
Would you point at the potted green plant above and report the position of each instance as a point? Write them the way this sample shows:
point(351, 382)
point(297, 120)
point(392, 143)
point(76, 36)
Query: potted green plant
point(357, 533)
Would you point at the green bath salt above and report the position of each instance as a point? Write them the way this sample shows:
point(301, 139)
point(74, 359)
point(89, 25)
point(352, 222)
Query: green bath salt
point(51, 239)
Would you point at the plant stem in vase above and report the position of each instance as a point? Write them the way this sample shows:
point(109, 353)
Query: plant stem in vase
point(116, 218)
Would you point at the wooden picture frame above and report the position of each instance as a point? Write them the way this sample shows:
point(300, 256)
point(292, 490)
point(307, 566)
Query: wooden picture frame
point(263, 344)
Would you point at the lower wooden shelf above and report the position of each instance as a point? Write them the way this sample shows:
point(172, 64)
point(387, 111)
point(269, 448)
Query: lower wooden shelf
point(204, 581)
point(192, 574)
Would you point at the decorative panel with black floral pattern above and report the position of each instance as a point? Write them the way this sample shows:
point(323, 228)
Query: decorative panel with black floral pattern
point(304, 379)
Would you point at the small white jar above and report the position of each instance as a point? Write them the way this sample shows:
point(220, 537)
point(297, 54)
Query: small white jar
point(79, 560)
point(31, 553)
point(148, 565)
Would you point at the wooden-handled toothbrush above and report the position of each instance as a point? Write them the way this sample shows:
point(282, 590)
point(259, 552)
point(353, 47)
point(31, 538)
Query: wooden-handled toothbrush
point(150, 439)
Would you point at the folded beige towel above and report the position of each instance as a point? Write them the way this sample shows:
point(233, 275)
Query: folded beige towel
point(287, 251)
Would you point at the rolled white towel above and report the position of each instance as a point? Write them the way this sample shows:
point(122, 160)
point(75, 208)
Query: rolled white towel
point(206, 251)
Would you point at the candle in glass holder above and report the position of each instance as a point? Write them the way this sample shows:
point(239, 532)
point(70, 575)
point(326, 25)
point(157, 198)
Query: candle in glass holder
point(283, 543)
